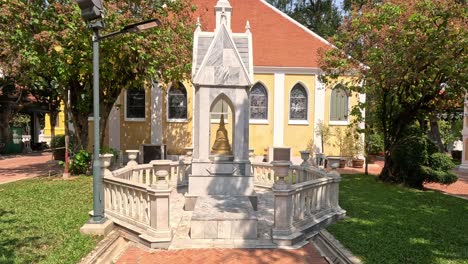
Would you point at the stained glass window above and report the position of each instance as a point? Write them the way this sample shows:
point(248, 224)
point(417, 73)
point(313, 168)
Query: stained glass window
point(177, 102)
point(339, 104)
point(298, 103)
point(258, 102)
point(135, 104)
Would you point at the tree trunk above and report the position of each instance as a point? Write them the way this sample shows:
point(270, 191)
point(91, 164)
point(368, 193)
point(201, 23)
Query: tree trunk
point(435, 133)
point(5, 113)
point(105, 112)
point(79, 111)
point(387, 174)
point(53, 123)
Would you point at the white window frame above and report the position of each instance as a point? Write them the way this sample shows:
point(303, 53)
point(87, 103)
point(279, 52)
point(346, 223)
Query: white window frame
point(175, 120)
point(133, 119)
point(261, 121)
point(299, 122)
point(339, 122)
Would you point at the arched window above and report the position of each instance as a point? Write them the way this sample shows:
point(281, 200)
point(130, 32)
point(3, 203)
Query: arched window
point(258, 98)
point(177, 102)
point(339, 104)
point(298, 103)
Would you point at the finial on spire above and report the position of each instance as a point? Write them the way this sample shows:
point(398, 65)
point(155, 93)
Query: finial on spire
point(247, 26)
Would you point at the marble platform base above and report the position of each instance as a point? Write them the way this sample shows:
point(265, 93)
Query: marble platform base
point(191, 200)
point(223, 217)
point(97, 229)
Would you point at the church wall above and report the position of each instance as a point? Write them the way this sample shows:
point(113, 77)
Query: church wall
point(331, 148)
point(177, 135)
point(134, 133)
point(298, 136)
point(261, 135)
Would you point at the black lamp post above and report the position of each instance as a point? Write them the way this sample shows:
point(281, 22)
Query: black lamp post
point(92, 13)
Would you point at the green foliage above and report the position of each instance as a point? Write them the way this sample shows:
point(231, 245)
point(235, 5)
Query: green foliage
point(409, 57)
point(417, 160)
point(450, 131)
point(375, 143)
point(348, 141)
point(432, 175)
point(441, 162)
point(57, 142)
point(20, 120)
point(108, 150)
point(80, 162)
point(321, 16)
point(324, 132)
point(41, 218)
point(393, 224)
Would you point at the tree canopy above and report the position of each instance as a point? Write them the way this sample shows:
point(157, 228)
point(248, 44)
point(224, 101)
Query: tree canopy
point(321, 16)
point(48, 41)
point(409, 57)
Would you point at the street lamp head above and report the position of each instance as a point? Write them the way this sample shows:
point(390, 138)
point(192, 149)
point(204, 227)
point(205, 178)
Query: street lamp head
point(138, 27)
point(90, 9)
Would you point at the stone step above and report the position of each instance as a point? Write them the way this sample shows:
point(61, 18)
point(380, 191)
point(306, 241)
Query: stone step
point(223, 217)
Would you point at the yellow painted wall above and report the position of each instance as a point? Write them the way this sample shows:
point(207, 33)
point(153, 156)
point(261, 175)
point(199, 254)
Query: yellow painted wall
point(331, 148)
point(178, 135)
point(135, 133)
point(298, 137)
point(60, 126)
point(261, 135)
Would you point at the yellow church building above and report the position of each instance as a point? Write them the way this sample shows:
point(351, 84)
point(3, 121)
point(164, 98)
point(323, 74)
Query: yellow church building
point(287, 99)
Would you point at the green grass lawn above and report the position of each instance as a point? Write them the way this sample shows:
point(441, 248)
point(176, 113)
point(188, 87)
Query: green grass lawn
point(40, 220)
point(394, 224)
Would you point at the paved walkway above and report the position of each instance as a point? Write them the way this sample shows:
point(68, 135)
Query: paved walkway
point(19, 167)
point(307, 254)
point(459, 188)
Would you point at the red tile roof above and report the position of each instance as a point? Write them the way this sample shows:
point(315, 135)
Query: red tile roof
point(277, 40)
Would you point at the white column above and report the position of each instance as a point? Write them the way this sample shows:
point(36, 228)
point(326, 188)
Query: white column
point(156, 114)
point(319, 111)
point(114, 126)
point(279, 110)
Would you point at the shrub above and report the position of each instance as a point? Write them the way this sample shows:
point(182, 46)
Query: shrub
point(417, 161)
point(80, 162)
point(375, 143)
point(440, 162)
point(431, 175)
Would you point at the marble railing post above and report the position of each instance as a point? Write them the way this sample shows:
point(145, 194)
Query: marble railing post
point(305, 155)
point(283, 217)
point(161, 165)
point(159, 195)
point(251, 155)
point(132, 156)
point(188, 153)
point(335, 189)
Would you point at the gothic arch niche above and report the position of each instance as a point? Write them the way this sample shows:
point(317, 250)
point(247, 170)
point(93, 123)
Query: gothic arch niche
point(221, 126)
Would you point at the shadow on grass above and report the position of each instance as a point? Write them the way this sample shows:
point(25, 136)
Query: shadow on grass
point(394, 224)
point(11, 242)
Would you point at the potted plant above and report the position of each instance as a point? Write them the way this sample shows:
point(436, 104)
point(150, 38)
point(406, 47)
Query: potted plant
point(374, 146)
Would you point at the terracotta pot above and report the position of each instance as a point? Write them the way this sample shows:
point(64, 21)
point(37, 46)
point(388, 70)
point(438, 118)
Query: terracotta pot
point(342, 163)
point(358, 163)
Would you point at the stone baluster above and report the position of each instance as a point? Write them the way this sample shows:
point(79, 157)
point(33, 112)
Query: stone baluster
point(335, 175)
point(305, 155)
point(132, 156)
point(283, 214)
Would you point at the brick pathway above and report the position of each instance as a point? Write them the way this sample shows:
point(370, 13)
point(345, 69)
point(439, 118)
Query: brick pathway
point(459, 188)
point(14, 168)
point(307, 254)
